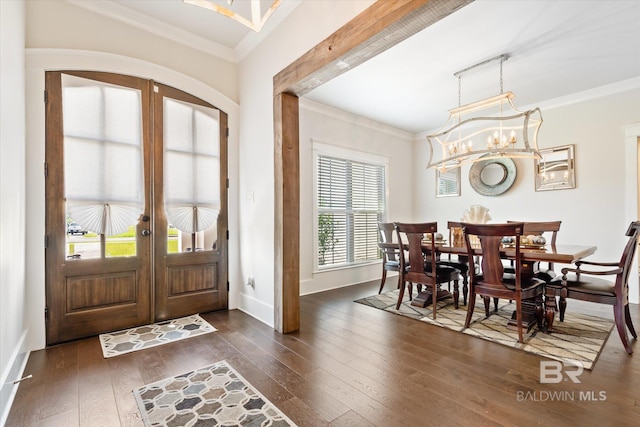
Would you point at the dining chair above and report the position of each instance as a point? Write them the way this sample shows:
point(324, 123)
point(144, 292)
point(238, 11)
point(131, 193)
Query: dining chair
point(390, 255)
point(421, 266)
point(460, 263)
point(585, 285)
point(491, 282)
point(538, 229)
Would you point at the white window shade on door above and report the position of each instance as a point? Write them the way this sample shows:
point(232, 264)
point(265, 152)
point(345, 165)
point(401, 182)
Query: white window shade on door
point(191, 165)
point(102, 155)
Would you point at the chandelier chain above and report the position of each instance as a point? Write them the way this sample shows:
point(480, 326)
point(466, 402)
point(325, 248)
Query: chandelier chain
point(501, 81)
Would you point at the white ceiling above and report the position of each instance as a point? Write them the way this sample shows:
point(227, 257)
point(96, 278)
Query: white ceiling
point(556, 48)
point(194, 26)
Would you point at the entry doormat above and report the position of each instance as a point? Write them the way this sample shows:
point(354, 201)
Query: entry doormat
point(147, 336)
point(216, 395)
point(579, 338)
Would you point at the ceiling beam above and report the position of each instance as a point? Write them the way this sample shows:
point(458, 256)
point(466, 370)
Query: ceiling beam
point(383, 25)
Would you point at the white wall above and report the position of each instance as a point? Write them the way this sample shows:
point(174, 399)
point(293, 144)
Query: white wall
point(42, 57)
point(594, 213)
point(334, 127)
point(12, 201)
point(63, 25)
point(283, 46)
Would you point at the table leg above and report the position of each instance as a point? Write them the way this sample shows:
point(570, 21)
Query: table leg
point(423, 298)
point(550, 308)
point(529, 316)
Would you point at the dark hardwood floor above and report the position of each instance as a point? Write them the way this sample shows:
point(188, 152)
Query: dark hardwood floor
point(349, 365)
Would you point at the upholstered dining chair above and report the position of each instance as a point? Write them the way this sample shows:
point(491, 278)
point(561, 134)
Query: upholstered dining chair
point(491, 282)
point(460, 263)
point(538, 229)
point(586, 285)
point(390, 255)
point(421, 267)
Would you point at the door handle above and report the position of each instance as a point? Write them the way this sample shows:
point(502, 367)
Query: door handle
point(146, 232)
point(145, 218)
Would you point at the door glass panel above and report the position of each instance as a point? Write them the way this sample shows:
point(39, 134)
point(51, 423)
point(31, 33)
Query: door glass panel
point(191, 175)
point(104, 191)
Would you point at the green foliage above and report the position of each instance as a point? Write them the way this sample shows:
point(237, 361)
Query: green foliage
point(120, 249)
point(326, 237)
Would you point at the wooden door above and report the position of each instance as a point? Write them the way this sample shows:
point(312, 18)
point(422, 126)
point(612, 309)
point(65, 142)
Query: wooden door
point(190, 205)
point(106, 209)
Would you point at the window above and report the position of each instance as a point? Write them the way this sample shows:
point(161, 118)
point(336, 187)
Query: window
point(350, 201)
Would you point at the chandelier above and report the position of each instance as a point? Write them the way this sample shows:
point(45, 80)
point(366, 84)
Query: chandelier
point(490, 128)
point(257, 19)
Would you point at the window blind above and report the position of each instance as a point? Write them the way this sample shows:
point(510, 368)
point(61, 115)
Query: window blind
point(350, 202)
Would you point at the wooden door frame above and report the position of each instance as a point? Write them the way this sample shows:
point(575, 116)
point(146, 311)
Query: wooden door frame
point(383, 25)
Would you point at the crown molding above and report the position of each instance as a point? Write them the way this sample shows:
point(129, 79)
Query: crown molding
point(335, 113)
point(586, 95)
point(146, 23)
point(574, 98)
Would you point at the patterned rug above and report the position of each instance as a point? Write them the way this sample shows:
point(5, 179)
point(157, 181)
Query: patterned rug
point(216, 395)
point(141, 337)
point(579, 338)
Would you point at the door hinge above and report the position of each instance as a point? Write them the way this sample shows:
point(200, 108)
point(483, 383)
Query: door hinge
point(46, 96)
point(46, 169)
point(227, 286)
point(227, 234)
point(46, 314)
point(46, 241)
point(227, 182)
point(227, 132)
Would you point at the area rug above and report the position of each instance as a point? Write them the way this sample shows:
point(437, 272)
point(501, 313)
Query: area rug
point(216, 395)
point(579, 338)
point(147, 336)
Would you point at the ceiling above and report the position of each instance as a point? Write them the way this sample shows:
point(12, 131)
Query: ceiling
point(555, 48)
point(194, 26)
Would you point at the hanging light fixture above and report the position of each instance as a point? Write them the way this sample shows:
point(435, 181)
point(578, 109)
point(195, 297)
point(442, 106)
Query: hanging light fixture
point(257, 19)
point(490, 128)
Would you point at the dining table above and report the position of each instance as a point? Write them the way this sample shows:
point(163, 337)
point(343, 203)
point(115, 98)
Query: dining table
point(531, 255)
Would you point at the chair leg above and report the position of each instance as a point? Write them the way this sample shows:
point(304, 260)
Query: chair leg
point(456, 293)
point(519, 320)
point(487, 304)
point(400, 296)
point(472, 303)
point(627, 317)
point(495, 304)
point(539, 310)
point(434, 299)
point(563, 307)
point(384, 278)
point(465, 288)
point(550, 308)
point(619, 315)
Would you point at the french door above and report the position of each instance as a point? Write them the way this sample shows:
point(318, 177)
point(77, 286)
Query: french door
point(136, 204)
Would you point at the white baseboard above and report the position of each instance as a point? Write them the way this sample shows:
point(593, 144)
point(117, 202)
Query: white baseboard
point(13, 372)
point(256, 309)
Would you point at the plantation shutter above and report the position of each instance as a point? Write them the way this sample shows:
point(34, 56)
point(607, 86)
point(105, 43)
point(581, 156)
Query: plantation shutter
point(351, 201)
